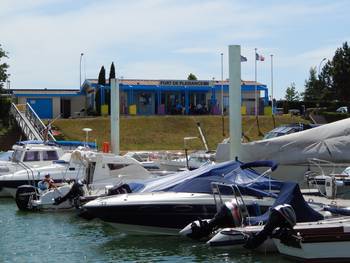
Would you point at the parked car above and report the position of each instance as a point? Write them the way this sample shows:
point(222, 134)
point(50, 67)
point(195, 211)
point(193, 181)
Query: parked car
point(288, 129)
point(343, 109)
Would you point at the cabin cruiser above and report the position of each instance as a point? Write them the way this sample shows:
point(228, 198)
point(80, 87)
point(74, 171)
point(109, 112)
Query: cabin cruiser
point(165, 205)
point(30, 154)
point(75, 165)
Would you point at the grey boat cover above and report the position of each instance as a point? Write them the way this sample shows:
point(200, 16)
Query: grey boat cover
point(330, 142)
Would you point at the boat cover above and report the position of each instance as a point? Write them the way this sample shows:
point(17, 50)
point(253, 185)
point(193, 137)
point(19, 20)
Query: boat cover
point(60, 143)
point(249, 181)
point(329, 142)
point(290, 194)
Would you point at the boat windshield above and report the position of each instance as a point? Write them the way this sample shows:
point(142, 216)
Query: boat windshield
point(346, 171)
point(16, 156)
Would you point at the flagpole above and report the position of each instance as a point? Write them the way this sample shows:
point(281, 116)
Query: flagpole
point(272, 84)
point(256, 88)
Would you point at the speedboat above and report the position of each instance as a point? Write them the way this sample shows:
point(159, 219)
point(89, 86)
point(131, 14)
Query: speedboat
point(147, 159)
point(73, 166)
point(165, 205)
point(30, 154)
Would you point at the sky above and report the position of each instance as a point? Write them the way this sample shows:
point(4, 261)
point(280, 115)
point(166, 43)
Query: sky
point(168, 39)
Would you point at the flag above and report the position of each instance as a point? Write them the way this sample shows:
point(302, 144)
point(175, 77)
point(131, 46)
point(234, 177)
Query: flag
point(243, 59)
point(259, 57)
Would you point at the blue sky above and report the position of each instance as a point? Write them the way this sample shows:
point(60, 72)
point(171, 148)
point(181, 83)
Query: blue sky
point(164, 39)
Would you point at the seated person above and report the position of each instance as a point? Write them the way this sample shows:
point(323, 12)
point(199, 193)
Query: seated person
point(46, 183)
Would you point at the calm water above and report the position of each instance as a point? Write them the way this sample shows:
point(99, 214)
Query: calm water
point(63, 237)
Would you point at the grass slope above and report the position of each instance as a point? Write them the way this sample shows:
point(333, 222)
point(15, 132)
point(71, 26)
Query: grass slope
point(165, 132)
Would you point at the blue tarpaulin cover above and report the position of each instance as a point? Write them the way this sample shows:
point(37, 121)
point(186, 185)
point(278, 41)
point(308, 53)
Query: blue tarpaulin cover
point(290, 194)
point(199, 181)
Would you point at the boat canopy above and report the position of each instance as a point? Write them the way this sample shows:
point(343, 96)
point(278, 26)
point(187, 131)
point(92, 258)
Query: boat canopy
point(290, 194)
point(248, 180)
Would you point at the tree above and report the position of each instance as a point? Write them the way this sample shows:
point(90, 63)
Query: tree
point(313, 90)
point(112, 72)
point(3, 68)
point(102, 76)
point(101, 81)
point(341, 73)
point(291, 93)
point(191, 77)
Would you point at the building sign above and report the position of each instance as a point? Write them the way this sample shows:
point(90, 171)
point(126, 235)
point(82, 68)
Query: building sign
point(184, 83)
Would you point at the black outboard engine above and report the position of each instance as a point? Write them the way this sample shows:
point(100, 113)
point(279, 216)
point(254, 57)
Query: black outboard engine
point(24, 195)
point(282, 216)
point(229, 215)
point(74, 193)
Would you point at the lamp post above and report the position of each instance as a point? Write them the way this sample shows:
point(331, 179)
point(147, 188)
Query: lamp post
point(81, 56)
point(272, 83)
point(319, 65)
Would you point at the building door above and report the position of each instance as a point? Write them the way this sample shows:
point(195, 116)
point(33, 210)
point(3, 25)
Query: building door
point(65, 108)
point(41, 106)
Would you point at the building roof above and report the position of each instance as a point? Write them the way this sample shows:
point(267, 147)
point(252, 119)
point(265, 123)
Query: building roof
point(158, 82)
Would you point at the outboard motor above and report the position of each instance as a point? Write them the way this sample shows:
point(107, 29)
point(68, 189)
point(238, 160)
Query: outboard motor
point(24, 195)
point(74, 193)
point(282, 216)
point(229, 215)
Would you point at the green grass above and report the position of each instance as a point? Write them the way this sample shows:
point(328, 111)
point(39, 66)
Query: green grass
point(165, 132)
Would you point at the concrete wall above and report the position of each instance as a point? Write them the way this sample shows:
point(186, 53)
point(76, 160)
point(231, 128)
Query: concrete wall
point(77, 103)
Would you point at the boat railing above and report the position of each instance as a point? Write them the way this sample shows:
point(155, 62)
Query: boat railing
point(29, 171)
point(217, 189)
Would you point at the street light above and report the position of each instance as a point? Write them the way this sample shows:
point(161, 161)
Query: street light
point(81, 56)
point(319, 65)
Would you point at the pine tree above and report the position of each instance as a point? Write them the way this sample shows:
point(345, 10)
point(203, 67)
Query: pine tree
point(112, 72)
point(102, 76)
point(291, 93)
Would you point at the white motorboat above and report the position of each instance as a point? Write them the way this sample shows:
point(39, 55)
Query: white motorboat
point(177, 161)
point(323, 241)
point(331, 184)
point(103, 174)
point(147, 159)
point(31, 155)
point(73, 166)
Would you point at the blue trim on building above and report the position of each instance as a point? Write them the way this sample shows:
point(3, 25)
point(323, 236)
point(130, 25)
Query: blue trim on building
point(46, 95)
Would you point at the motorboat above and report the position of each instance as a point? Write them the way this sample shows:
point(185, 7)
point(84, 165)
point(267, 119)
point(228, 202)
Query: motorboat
point(30, 154)
point(177, 161)
point(289, 194)
point(147, 159)
point(323, 241)
point(331, 184)
point(75, 165)
point(103, 174)
point(165, 205)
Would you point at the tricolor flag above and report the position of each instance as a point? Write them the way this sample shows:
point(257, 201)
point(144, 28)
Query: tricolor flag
point(259, 57)
point(243, 59)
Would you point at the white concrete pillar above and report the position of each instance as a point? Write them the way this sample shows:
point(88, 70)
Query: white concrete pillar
point(115, 141)
point(234, 56)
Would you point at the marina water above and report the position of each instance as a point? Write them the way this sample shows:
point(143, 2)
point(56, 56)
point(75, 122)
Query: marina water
point(64, 237)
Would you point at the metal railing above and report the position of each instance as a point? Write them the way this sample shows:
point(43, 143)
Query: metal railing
point(30, 123)
point(37, 123)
